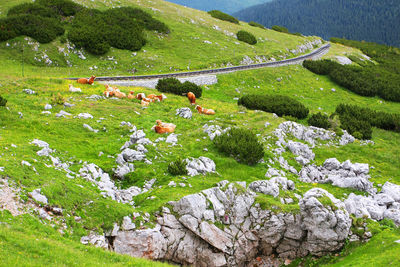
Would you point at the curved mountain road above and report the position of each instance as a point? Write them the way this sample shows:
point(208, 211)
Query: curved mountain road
point(312, 55)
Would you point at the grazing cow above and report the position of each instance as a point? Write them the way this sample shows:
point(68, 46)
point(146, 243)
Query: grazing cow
point(192, 98)
point(162, 127)
point(74, 89)
point(140, 96)
point(87, 81)
point(131, 95)
point(205, 111)
point(157, 97)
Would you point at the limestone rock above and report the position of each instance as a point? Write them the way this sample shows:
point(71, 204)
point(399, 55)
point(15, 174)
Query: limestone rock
point(202, 165)
point(185, 113)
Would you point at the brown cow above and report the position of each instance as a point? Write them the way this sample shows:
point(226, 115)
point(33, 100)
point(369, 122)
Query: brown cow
point(192, 98)
point(205, 111)
point(87, 81)
point(162, 127)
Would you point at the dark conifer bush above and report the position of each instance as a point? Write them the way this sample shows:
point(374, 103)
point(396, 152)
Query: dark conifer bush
point(279, 104)
point(174, 86)
point(223, 16)
point(255, 24)
point(319, 120)
point(246, 37)
point(178, 167)
point(3, 101)
point(241, 144)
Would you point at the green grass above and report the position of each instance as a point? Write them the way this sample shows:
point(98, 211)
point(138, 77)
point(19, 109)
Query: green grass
point(73, 143)
point(183, 48)
point(25, 241)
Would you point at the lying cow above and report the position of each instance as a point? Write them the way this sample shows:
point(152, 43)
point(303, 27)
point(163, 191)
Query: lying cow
point(86, 81)
point(205, 111)
point(162, 127)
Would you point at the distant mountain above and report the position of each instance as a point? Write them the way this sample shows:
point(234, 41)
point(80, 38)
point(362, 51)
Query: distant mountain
point(369, 20)
point(228, 6)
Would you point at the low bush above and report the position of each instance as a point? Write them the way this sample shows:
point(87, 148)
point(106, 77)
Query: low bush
point(32, 9)
point(61, 7)
point(319, 120)
point(255, 24)
point(3, 101)
point(357, 128)
point(223, 16)
point(321, 67)
point(241, 144)
point(42, 29)
point(280, 29)
point(57, 99)
point(279, 104)
point(178, 167)
point(246, 37)
point(174, 86)
point(379, 119)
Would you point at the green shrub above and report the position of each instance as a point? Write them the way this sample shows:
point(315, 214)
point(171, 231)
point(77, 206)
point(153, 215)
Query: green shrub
point(279, 104)
point(246, 37)
point(321, 67)
point(3, 101)
point(223, 16)
point(241, 144)
point(61, 7)
point(362, 129)
point(42, 29)
point(280, 29)
point(379, 119)
point(319, 120)
point(119, 27)
point(57, 99)
point(178, 167)
point(255, 24)
point(32, 9)
point(174, 86)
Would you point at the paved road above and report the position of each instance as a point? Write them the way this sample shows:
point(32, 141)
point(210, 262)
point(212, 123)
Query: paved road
point(312, 55)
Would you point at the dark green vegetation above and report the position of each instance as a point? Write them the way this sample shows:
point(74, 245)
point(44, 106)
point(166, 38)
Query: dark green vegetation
point(177, 167)
point(174, 86)
point(246, 37)
point(223, 16)
point(279, 28)
point(358, 119)
point(381, 80)
point(91, 29)
point(319, 120)
point(241, 144)
point(255, 24)
point(368, 20)
point(279, 104)
point(227, 6)
point(3, 101)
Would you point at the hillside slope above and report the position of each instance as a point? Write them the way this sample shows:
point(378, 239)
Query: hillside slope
point(367, 20)
point(61, 165)
point(196, 41)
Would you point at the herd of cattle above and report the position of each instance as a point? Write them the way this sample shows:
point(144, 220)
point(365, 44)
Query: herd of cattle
point(145, 101)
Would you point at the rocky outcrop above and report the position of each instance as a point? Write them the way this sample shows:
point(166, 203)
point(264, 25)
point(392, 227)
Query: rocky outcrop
point(225, 226)
point(202, 165)
point(185, 113)
point(346, 174)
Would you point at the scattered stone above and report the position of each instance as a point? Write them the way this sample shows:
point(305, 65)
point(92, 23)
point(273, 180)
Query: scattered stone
point(202, 165)
point(28, 91)
point(63, 114)
point(86, 126)
point(185, 113)
point(36, 195)
point(84, 116)
point(47, 106)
